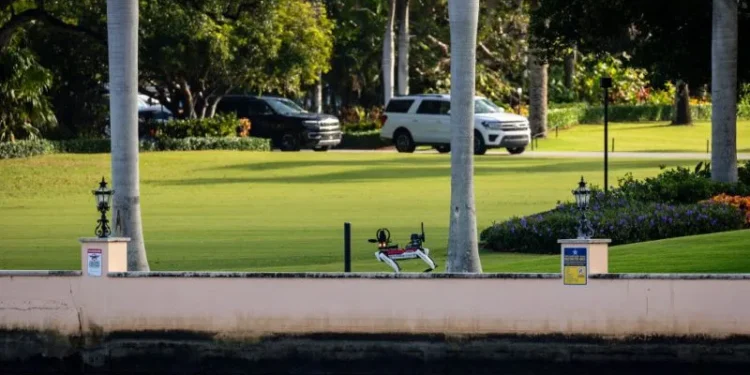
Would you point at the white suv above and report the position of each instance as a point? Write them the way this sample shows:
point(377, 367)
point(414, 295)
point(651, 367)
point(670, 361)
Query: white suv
point(410, 121)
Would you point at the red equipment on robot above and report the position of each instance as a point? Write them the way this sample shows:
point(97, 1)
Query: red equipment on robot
point(389, 254)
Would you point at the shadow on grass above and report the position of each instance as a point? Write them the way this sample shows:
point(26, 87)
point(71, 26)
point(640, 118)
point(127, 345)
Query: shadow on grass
point(371, 172)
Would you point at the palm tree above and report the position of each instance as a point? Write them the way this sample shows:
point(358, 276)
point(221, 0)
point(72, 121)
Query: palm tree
point(724, 91)
point(537, 90)
point(388, 53)
point(403, 48)
point(122, 29)
point(463, 252)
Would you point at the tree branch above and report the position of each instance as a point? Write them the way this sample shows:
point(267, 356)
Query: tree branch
point(18, 20)
point(446, 49)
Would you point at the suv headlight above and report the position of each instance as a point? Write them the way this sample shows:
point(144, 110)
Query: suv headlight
point(311, 124)
point(494, 125)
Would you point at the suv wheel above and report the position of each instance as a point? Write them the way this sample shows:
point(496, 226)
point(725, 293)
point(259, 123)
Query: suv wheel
point(290, 142)
point(480, 148)
point(404, 142)
point(443, 148)
point(516, 150)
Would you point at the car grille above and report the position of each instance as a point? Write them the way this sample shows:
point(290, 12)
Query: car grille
point(516, 125)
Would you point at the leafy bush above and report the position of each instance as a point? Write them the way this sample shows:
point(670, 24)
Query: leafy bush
point(621, 220)
point(206, 143)
point(743, 203)
point(83, 146)
point(362, 140)
point(221, 125)
point(564, 118)
point(679, 185)
point(25, 148)
point(362, 126)
point(28, 148)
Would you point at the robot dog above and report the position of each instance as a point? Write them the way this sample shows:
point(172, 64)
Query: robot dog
point(389, 254)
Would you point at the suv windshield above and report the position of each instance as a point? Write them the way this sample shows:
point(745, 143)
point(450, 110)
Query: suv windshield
point(486, 106)
point(284, 106)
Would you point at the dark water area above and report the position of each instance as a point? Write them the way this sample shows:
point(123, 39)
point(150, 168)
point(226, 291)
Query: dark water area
point(385, 367)
point(177, 353)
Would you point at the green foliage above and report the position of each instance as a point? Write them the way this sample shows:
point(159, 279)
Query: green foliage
point(679, 185)
point(221, 125)
point(565, 117)
point(671, 204)
point(29, 148)
point(362, 140)
point(206, 143)
point(26, 148)
point(215, 47)
point(627, 82)
point(24, 109)
point(623, 224)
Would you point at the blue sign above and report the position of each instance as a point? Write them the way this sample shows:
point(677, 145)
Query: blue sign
point(575, 265)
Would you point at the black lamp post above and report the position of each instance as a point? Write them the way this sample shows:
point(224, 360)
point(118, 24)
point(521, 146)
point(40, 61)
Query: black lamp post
point(582, 195)
point(605, 83)
point(103, 202)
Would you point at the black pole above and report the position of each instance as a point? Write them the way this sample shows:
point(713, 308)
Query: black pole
point(606, 139)
point(347, 247)
point(606, 83)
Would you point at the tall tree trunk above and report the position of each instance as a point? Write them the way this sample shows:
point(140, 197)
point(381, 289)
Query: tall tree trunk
point(724, 91)
point(403, 49)
point(570, 68)
point(537, 90)
point(537, 96)
point(122, 30)
point(388, 53)
point(318, 100)
point(682, 105)
point(463, 251)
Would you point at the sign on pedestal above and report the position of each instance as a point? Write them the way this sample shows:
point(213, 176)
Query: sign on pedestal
point(94, 261)
point(575, 265)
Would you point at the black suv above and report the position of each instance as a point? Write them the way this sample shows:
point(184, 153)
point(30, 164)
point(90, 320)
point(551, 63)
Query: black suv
point(289, 127)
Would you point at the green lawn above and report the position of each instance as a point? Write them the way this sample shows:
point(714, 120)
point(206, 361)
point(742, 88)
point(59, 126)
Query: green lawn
point(644, 136)
point(244, 211)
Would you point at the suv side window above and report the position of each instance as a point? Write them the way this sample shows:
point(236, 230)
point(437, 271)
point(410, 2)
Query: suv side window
point(258, 108)
point(399, 105)
point(434, 107)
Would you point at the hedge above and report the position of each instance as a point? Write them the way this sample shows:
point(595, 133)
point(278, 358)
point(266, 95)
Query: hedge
point(28, 148)
point(623, 223)
point(677, 202)
point(363, 140)
point(566, 116)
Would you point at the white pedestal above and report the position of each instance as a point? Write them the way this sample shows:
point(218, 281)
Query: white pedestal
point(100, 256)
point(582, 257)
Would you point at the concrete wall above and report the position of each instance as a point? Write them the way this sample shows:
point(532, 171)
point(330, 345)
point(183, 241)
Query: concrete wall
point(252, 303)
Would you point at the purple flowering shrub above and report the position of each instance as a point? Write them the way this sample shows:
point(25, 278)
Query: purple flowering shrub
point(619, 219)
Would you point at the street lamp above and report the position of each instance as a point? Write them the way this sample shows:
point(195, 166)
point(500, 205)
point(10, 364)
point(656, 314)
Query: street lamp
point(582, 195)
point(103, 202)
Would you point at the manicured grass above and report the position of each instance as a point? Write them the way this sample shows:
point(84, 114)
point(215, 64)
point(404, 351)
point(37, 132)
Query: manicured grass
point(726, 252)
point(245, 211)
point(644, 136)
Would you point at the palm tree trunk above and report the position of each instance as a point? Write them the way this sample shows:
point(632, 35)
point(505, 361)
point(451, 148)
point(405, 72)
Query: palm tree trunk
point(388, 53)
point(122, 29)
point(537, 96)
point(463, 252)
point(724, 91)
point(570, 68)
point(537, 90)
point(403, 49)
point(318, 102)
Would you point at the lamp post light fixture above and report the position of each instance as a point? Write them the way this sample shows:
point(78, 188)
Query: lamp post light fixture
point(582, 195)
point(103, 201)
